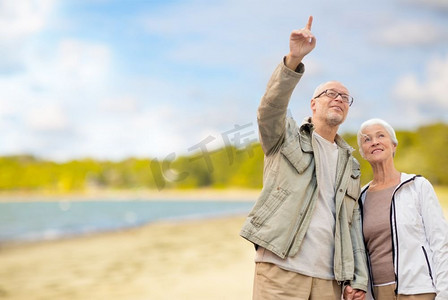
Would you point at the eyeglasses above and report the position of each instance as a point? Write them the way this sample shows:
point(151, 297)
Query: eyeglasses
point(333, 95)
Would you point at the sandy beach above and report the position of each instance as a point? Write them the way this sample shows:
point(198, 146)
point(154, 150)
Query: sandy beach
point(203, 259)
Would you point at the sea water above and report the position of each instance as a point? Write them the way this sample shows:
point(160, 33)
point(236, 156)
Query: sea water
point(35, 221)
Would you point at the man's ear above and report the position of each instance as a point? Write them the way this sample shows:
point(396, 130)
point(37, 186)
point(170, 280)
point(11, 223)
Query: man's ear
point(313, 105)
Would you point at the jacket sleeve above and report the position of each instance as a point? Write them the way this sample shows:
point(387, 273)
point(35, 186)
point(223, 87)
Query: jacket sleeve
point(271, 113)
point(360, 279)
point(436, 229)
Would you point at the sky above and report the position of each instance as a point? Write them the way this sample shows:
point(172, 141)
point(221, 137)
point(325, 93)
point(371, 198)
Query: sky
point(154, 79)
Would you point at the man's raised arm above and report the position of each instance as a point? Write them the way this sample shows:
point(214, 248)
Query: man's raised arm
point(274, 104)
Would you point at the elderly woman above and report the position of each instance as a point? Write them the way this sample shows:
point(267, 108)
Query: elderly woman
point(405, 232)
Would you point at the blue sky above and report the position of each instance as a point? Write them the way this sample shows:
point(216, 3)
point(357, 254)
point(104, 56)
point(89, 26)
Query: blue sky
point(113, 79)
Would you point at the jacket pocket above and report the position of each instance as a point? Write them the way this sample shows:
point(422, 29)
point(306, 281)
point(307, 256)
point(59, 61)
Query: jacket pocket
point(269, 207)
point(294, 154)
point(427, 262)
point(353, 181)
point(352, 192)
point(353, 189)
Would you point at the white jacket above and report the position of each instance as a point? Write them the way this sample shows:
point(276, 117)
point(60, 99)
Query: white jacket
point(419, 238)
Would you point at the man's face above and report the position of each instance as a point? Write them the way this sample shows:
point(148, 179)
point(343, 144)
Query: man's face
point(330, 111)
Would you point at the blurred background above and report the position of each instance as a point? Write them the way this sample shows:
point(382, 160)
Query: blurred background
point(91, 91)
point(122, 101)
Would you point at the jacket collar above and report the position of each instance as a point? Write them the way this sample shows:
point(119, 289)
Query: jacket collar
point(308, 126)
point(404, 178)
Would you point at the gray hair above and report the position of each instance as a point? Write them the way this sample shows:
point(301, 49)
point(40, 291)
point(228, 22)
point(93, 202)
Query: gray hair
point(380, 122)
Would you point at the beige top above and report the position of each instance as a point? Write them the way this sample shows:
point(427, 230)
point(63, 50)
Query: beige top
point(376, 229)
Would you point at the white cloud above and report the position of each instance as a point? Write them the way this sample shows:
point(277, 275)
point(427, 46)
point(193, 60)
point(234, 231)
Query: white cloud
point(47, 118)
point(148, 132)
point(7, 107)
point(19, 22)
point(61, 73)
point(21, 18)
point(44, 105)
point(75, 73)
point(411, 33)
point(124, 104)
point(428, 90)
point(435, 4)
point(80, 63)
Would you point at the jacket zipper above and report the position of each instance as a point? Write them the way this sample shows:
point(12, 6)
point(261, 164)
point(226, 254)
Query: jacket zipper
point(393, 219)
point(427, 262)
point(393, 227)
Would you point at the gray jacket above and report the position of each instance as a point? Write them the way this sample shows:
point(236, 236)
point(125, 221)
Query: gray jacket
point(282, 213)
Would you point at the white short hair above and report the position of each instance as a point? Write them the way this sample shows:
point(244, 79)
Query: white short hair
point(320, 88)
point(380, 122)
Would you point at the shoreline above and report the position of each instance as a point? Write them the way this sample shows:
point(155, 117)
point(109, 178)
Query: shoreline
point(172, 221)
point(202, 194)
point(141, 195)
point(19, 243)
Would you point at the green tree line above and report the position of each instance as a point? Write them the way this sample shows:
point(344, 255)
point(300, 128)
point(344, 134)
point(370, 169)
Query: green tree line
point(422, 151)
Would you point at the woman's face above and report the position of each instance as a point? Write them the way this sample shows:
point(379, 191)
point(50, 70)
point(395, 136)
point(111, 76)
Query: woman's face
point(376, 144)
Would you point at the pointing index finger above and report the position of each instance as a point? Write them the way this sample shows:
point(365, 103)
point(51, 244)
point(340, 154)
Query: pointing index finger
point(310, 22)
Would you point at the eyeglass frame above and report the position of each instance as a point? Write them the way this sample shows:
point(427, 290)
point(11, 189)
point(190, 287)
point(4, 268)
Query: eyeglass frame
point(349, 101)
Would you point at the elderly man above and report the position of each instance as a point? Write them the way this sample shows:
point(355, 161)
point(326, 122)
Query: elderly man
point(306, 222)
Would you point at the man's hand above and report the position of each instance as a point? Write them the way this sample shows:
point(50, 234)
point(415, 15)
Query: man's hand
point(353, 294)
point(301, 42)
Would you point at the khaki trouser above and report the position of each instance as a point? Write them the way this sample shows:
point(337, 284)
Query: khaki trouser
point(386, 292)
point(272, 283)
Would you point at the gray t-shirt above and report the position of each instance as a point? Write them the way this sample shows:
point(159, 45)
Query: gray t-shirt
point(316, 253)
